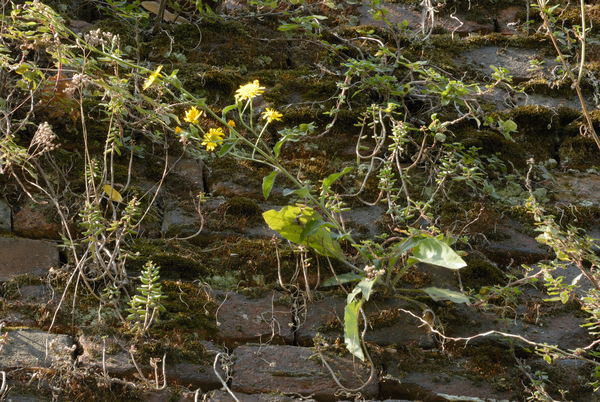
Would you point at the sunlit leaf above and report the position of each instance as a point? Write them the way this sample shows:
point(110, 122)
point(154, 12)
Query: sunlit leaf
point(436, 252)
point(113, 194)
point(351, 332)
point(438, 294)
point(290, 222)
point(366, 285)
point(301, 192)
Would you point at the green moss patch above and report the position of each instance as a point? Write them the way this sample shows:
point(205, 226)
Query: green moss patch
point(479, 272)
point(242, 206)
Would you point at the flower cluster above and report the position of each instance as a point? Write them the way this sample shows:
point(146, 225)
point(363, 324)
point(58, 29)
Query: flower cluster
point(213, 138)
point(249, 91)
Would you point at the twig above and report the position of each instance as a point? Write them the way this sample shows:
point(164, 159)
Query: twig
point(142, 377)
point(555, 349)
point(221, 379)
point(164, 373)
point(373, 370)
point(104, 357)
point(4, 388)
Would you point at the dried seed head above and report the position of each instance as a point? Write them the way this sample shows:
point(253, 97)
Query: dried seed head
point(373, 273)
point(97, 37)
point(78, 81)
point(43, 138)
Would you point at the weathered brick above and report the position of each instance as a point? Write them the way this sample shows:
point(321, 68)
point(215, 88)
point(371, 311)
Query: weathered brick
point(27, 348)
point(296, 370)
point(241, 319)
point(223, 396)
point(118, 364)
point(25, 256)
point(388, 325)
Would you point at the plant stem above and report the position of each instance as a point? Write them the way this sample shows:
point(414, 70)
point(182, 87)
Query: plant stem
point(582, 40)
point(567, 69)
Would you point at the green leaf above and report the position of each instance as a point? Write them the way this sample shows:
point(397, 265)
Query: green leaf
point(406, 245)
point(277, 147)
point(433, 251)
point(509, 125)
point(268, 182)
point(228, 109)
point(366, 286)
point(343, 278)
point(438, 294)
point(331, 178)
point(288, 27)
point(226, 148)
point(288, 137)
point(290, 223)
point(352, 295)
point(351, 333)
point(23, 68)
point(312, 227)
point(301, 192)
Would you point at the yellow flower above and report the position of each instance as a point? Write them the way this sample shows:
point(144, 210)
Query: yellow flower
point(271, 115)
point(249, 91)
point(192, 115)
point(178, 130)
point(213, 138)
point(152, 78)
point(231, 123)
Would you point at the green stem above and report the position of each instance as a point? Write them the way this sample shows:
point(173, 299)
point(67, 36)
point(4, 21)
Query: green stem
point(258, 139)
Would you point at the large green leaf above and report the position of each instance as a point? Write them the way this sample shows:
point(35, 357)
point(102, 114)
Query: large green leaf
point(290, 223)
point(433, 251)
point(351, 333)
point(444, 294)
